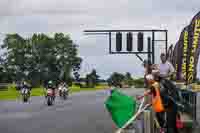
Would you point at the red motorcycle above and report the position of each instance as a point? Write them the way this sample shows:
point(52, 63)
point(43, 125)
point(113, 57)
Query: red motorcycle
point(50, 97)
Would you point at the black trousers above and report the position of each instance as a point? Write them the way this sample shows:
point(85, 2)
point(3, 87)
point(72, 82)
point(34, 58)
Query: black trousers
point(171, 119)
point(161, 119)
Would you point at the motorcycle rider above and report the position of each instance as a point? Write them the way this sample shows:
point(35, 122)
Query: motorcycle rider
point(51, 86)
point(63, 86)
point(25, 85)
point(60, 87)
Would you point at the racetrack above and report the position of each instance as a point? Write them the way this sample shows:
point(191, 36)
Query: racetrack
point(83, 112)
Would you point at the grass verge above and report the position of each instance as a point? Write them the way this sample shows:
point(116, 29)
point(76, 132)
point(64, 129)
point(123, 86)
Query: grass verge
point(78, 89)
point(12, 94)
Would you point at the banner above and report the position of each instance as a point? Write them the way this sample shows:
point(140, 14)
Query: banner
point(170, 53)
point(186, 52)
point(173, 61)
point(184, 42)
point(174, 58)
point(180, 56)
point(194, 48)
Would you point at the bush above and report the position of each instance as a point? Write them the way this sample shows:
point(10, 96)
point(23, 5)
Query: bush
point(197, 81)
point(11, 87)
point(77, 84)
point(116, 79)
point(139, 83)
point(139, 86)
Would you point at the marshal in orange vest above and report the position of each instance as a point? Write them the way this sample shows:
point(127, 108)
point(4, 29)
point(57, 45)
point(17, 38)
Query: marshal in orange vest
point(156, 99)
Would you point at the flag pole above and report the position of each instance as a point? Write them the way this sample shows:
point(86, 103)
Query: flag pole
point(133, 118)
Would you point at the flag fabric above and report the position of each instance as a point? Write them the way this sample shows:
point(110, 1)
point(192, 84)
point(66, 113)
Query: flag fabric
point(186, 51)
point(174, 55)
point(179, 57)
point(194, 41)
point(121, 107)
point(183, 54)
point(169, 53)
point(185, 57)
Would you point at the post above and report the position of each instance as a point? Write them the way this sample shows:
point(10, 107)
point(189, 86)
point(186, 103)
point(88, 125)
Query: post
point(194, 96)
point(153, 48)
point(147, 121)
point(149, 48)
point(110, 49)
point(166, 37)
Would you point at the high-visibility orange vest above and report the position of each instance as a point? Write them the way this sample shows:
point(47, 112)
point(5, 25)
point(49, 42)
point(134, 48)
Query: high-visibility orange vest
point(156, 100)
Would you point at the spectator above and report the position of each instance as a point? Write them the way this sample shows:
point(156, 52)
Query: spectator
point(166, 69)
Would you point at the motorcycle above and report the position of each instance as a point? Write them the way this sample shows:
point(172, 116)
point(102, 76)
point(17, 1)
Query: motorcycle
point(63, 93)
point(25, 94)
point(50, 97)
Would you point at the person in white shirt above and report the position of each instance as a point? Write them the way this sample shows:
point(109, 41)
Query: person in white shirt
point(166, 69)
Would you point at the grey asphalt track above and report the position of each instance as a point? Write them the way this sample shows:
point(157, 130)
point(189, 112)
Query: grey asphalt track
point(82, 113)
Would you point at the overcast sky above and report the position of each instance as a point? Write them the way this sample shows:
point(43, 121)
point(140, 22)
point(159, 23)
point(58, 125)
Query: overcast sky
point(75, 16)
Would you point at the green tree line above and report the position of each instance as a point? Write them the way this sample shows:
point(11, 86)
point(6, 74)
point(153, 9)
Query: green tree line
point(118, 79)
point(39, 58)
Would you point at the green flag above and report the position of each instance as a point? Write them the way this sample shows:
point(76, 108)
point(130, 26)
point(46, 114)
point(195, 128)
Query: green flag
point(121, 107)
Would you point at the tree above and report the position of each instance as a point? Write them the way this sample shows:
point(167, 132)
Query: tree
point(116, 79)
point(92, 79)
point(128, 75)
point(95, 77)
point(89, 82)
point(128, 79)
point(15, 55)
point(40, 57)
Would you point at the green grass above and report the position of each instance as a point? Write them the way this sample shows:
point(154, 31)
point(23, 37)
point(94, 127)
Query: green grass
point(78, 89)
point(9, 94)
point(12, 94)
point(37, 92)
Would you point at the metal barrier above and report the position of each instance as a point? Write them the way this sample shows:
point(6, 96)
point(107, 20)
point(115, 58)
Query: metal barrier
point(189, 99)
point(3, 86)
point(141, 125)
point(147, 121)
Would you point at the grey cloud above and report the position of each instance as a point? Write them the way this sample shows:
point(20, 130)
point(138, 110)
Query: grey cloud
point(105, 65)
point(178, 5)
point(74, 16)
point(38, 7)
point(113, 7)
point(23, 24)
